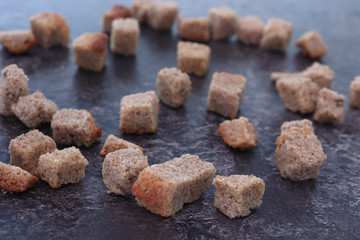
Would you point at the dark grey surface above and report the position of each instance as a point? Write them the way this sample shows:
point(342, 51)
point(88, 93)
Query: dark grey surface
point(325, 208)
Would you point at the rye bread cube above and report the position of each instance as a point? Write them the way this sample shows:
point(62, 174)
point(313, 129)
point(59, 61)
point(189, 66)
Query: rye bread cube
point(304, 124)
point(223, 21)
point(15, 179)
point(238, 133)
point(140, 9)
point(193, 58)
point(226, 93)
point(90, 51)
point(312, 45)
point(62, 167)
point(298, 93)
point(117, 11)
point(162, 15)
point(124, 36)
point(113, 143)
point(72, 126)
point(164, 188)
point(173, 86)
point(50, 29)
point(299, 154)
point(194, 29)
point(276, 36)
point(355, 93)
point(320, 74)
point(25, 150)
point(237, 194)
point(17, 42)
point(13, 84)
point(330, 107)
point(35, 109)
point(139, 113)
point(121, 169)
point(250, 30)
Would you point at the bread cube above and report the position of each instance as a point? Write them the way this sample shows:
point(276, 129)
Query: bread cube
point(298, 93)
point(162, 15)
point(17, 42)
point(117, 11)
point(320, 74)
point(194, 29)
point(139, 113)
point(329, 107)
point(173, 87)
point(34, 109)
point(124, 36)
point(121, 169)
point(26, 149)
point(238, 133)
point(250, 30)
point(355, 93)
point(237, 194)
point(62, 167)
point(13, 84)
point(312, 45)
point(276, 36)
point(225, 93)
point(164, 188)
point(90, 51)
point(15, 179)
point(305, 125)
point(275, 76)
point(113, 143)
point(71, 126)
point(299, 154)
point(50, 29)
point(223, 21)
point(193, 58)
point(141, 9)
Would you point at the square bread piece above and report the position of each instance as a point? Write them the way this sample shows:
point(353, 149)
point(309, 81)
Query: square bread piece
point(330, 107)
point(71, 126)
point(225, 93)
point(139, 113)
point(312, 45)
point(298, 93)
point(141, 8)
point(90, 51)
point(193, 58)
point(355, 93)
point(237, 194)
point(34, 109)
point(162, 15)
point(164, 188)
point(173, 86)
point(117, 11)
point(124, 36)
point(194, 29)
point(62, 167)
point(15, 179)
point(26, 149)
point(50, 29)
point(223, 21)
point(113, 143)
point(13, 84)
point(17, 42)
point(276, 36)
point(320, 74)
point(238, 133)
point(250, 30)
point(305, 125)
point(299, 154)
point(121, 169)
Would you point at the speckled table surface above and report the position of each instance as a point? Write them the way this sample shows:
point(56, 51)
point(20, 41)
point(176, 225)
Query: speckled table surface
point(325, 208)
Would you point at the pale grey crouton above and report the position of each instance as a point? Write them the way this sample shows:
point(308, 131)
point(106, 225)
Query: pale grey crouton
point(124, 36)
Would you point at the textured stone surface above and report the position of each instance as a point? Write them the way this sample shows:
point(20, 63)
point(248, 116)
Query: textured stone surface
point(326, 208)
